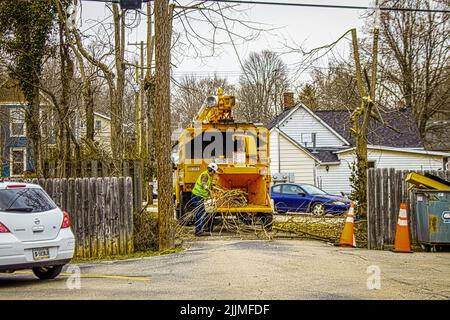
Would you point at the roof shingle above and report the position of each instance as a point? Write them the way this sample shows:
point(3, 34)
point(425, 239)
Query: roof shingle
point(399, 128)
point(325, 155)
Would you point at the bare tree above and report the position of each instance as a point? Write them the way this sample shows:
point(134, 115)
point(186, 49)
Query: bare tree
point(115, 77)
point(262, 83)
point(308, 95)
point(331, 89)
point(415, 60)
point(191, 93)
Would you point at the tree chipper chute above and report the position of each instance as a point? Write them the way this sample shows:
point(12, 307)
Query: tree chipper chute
point(241, 151)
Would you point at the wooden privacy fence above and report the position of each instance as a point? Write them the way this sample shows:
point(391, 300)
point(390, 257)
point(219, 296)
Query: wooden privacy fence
point(95, 168)
point(386, 189)
point(101, 212)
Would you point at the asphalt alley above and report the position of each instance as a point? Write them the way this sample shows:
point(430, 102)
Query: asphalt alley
point(247, 269)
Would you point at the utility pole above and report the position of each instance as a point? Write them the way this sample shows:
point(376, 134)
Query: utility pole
point(140, 100)
point(142, 142)
point(163, 35)
point(138, 113)
point(362, 114)
point(150, 147)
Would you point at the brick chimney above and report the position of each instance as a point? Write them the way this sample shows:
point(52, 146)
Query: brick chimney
point(288, 100)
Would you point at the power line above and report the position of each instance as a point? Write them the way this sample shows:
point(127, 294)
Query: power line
point(327, 6)
point(114, 1)
point(310, 5)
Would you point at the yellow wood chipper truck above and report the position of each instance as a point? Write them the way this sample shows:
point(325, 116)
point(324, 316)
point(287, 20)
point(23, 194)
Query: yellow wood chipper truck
point(241, 151)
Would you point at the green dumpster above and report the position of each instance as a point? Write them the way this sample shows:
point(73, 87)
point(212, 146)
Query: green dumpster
point(433, 218)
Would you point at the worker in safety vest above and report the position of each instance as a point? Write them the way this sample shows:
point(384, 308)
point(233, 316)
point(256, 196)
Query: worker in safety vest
point(201, 191)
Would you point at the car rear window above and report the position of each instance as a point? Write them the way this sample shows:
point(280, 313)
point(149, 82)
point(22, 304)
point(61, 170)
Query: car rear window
point(276, 189)
point(25, 200)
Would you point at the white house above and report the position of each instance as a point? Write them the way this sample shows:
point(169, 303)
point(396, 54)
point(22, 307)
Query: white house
point(318, 148)
point(102, 129)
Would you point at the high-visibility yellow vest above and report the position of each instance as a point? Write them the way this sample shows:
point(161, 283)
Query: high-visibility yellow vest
point(198, 188)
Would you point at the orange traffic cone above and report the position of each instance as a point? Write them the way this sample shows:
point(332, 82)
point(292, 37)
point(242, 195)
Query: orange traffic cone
point(402, 243)
point(348, 236)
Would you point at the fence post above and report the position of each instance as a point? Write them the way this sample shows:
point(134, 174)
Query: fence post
point(115, 215)
point(370, 208)
point(122, 232)
point(84, 210)
point(93, 221)
point(392, 214)
point(101, 215)
point(108, 216)
point(129, 213)
point(137, 179)
point(384, 216)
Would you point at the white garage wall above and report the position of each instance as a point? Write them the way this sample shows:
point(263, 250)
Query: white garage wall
point(292, 158)
point(337, 178)
point(302, 122)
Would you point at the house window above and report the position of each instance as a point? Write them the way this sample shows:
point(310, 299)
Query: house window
point(307, 139)
point(17, 122)
point(370, 164)
point(18, 161)
point(98, 125)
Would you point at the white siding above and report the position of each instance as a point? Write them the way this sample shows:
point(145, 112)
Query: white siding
point(302, 122)
point(292, 158)
point(405, 161)
point(337, 177)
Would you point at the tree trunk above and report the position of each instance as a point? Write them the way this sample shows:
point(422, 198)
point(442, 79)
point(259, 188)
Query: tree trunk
point(118, 93)
point(66, 75)
point(89, 110)
point(33, 130)
point(163, 34)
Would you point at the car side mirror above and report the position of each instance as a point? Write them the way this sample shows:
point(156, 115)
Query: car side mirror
point(301, 194)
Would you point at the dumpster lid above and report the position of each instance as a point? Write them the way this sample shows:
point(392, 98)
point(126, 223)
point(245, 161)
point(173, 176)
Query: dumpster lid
point(439, 179)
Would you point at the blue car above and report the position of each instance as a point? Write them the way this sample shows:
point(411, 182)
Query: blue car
point(307, 198)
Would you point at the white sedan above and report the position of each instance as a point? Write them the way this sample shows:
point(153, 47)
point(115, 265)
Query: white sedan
point(34, 233)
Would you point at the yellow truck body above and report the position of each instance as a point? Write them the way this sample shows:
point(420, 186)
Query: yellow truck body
point(241, 151)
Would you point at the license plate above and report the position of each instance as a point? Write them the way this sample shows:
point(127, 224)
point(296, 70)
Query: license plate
point(41, 253)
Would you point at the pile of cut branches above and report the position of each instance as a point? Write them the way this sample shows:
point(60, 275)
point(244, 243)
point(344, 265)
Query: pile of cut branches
point(227, 198)
point(240, 223)
point(324, 229)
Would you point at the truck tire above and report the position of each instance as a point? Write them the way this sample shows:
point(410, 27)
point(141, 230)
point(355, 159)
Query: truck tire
point(245, 218)
point(267, 221)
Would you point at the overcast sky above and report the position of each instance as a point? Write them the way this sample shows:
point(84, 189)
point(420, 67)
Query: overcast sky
point(309, 27)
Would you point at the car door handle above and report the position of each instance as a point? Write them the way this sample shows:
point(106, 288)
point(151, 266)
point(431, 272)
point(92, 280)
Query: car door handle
point(38, 229)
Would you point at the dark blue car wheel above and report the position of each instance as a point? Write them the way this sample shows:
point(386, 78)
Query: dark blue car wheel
point(318, 209)
point(280, 204)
